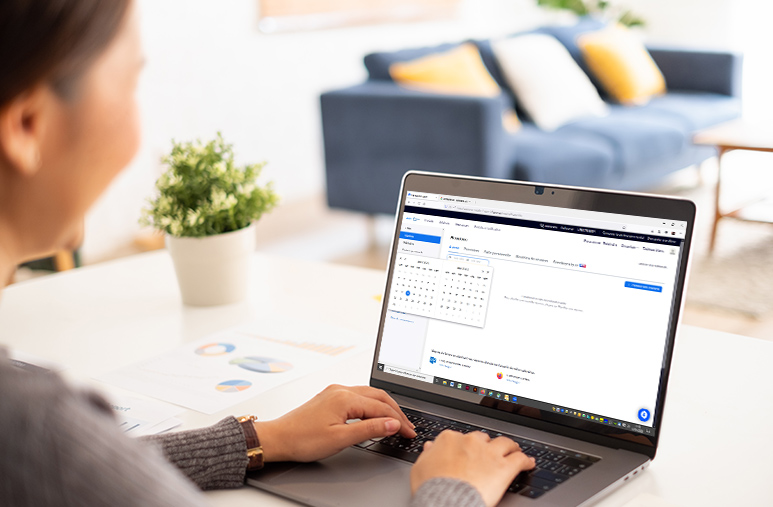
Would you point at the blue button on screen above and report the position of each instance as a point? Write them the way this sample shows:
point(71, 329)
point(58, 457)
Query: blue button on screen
point(644, 415)
point(407, 293)
point(644, 286)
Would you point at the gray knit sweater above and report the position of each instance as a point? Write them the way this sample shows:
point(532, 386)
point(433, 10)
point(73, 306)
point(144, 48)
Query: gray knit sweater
point(61, 447)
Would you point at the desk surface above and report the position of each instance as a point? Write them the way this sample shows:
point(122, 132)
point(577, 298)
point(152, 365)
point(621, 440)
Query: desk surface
point(715, 442)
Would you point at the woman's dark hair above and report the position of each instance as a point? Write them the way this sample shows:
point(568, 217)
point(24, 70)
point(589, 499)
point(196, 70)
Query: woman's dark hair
point(53, 41)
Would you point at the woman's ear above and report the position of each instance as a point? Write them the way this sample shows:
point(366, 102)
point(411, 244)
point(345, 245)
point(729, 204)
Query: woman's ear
point(23, 123)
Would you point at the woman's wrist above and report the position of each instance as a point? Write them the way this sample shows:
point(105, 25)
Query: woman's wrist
point(270, 441)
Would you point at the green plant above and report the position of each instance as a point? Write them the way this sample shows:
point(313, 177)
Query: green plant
point(203, 192)
point(603, 8)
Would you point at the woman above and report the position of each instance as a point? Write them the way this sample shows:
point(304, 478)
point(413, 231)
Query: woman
point(68, 125)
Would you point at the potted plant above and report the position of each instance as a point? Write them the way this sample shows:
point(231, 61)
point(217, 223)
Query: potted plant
point(600, 8)
point(207, 206)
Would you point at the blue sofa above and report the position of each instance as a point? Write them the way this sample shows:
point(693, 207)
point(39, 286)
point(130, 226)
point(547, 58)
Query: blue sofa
point(376, 131)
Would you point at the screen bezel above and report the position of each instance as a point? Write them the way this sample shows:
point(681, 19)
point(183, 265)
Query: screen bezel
point(625, 203)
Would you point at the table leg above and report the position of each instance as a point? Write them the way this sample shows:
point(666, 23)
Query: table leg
point(717, 213)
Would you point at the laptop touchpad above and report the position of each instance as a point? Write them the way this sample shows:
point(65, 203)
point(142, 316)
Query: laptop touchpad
point(352, 477)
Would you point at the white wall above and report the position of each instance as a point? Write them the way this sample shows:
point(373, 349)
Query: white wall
point(739, 25)
point(210, 69)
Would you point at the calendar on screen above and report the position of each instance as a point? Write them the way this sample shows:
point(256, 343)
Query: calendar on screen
point(441, 289)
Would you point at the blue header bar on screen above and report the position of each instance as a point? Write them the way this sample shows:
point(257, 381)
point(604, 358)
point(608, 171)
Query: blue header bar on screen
point(419, 237)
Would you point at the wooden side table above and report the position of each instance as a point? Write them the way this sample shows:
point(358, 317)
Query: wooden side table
point(734, 135)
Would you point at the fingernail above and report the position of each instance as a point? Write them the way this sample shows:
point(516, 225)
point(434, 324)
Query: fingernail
point(413, 426)
point(392, 425)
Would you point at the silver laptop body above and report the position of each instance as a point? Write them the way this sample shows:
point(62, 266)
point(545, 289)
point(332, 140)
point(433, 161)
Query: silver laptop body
point(542, 312)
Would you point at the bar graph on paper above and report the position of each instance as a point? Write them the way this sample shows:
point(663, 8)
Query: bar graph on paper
point(320, 348)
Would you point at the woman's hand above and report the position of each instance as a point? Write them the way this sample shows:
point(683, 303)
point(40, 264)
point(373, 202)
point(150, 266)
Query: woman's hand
point(488, 465)
point(318, 429)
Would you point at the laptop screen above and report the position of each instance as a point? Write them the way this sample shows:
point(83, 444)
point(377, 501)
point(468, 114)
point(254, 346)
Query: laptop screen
point(511, 304)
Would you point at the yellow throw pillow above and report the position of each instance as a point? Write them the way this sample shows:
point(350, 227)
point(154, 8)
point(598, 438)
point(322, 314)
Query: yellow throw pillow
point(458, 71)
point(622, 64)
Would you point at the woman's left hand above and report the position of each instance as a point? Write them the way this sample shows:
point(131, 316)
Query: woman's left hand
point(318, 429)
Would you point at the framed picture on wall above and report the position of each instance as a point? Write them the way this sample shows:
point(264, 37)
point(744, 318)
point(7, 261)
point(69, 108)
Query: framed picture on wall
point(296, 15)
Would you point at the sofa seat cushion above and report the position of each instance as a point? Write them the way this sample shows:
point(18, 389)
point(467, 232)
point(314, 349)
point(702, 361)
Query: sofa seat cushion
point(639, 137)
point(697, 110)
point(577, 158)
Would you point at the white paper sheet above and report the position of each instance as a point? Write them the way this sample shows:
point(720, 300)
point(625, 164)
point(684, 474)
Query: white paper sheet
point(138, 417)
point(29, 359)
point(232, 366)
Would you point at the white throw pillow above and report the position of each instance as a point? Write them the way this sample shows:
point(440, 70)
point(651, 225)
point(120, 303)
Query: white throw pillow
point(547, 82)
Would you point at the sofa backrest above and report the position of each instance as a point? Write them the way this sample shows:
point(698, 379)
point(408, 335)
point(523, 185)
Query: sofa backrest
point(567, 35)
point(378, 64)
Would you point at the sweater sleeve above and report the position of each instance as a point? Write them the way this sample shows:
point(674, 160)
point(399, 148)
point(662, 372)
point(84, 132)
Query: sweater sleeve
point(446, 492)
point(62, 447)
point(213, 457)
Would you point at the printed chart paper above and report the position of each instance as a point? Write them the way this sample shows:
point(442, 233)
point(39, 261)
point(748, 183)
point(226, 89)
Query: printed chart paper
point(232, 366)
point(138, 417)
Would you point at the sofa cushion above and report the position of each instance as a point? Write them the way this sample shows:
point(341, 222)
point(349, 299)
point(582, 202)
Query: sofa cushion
point(619, 60)
point(571, 158)
point(697, 110)
point(488, 57)
point(639, 137)
point(457, 71)
point(378, 63)
point(550, 85)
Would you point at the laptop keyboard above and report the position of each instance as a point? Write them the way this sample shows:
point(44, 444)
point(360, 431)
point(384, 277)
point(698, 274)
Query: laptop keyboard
point(555, 465)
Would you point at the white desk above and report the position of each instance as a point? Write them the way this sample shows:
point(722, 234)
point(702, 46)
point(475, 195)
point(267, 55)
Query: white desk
point(715, 446)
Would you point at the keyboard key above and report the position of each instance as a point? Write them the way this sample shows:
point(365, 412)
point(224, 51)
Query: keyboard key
point(365, 444)
point(541, 484)
point(550, 476)
point(554, 456)
point(553, 467)
point(515, 488)
point(542, 463)
point(531, 493)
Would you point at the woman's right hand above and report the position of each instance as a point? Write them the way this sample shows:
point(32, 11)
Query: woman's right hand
point(488, 465)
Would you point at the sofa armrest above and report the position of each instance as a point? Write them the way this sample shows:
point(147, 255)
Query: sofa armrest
point(374, 132)
point(704, 71)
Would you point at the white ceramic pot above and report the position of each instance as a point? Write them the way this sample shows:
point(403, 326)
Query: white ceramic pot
point(213, 270)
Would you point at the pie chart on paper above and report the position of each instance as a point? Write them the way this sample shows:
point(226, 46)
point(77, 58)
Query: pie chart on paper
point(215, 349)
point(262, 364)
point(233, 386)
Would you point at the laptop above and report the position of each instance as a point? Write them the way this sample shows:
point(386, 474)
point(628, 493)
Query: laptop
point(544, 313)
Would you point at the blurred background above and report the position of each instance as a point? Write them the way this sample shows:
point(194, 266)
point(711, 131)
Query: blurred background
point(255, 70)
